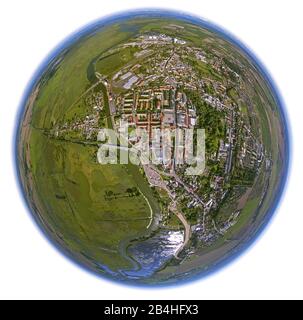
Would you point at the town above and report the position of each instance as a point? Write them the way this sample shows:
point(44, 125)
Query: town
point(169, 85)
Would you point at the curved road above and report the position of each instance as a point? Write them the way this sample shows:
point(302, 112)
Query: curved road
point(187, 228)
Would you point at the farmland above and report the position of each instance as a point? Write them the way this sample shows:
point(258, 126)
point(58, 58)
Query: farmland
point(151, 222)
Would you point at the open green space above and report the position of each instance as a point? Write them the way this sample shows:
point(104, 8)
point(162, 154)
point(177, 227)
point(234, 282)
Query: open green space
point(73, 191)
point(98, 212)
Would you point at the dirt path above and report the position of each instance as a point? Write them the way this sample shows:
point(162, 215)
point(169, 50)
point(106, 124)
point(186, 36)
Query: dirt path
point(85, 93)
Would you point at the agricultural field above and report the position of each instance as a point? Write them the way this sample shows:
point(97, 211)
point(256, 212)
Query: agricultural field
point(152, 222)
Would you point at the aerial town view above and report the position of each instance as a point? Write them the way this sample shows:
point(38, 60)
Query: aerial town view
point(175, 87)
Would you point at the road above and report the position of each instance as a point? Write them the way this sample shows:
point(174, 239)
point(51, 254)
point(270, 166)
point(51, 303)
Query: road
point(172, 207)
point(178, 179)
point(86, 92)
point(187, 228)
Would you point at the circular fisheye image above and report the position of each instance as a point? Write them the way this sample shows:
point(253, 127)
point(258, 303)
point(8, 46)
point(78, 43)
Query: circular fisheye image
point(152, 147)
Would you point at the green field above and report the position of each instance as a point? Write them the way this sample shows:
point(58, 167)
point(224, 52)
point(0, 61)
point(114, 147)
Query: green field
point(74, 190)
point(97, 211)
point(72, 185)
